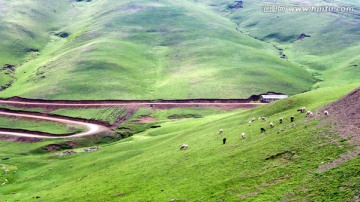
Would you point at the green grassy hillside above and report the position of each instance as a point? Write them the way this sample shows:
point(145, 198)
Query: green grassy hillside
point(166, 49)
point(137, 50)
point(279, 165)
point(106, 114)
point(331, 51)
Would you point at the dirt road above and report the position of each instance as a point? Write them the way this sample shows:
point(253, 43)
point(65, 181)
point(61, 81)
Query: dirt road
point(65, 104)
point(90, 129)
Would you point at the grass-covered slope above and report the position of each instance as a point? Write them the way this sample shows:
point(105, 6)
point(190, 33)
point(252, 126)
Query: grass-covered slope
point(108, 115)
point(24, 31)
point(140, 50)
point(279, 165)
point(331, 51)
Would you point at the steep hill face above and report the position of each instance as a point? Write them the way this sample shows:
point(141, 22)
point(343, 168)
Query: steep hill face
point(345, 115)
point(103, 49)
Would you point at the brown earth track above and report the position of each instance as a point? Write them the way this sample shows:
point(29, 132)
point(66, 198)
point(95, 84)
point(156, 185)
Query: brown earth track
point(344, 117)
point(19, 99)
point(97, 122)
point(32, 132)
point(161, 104)
point(91, 128)
point(130, 112)
point(132, 105)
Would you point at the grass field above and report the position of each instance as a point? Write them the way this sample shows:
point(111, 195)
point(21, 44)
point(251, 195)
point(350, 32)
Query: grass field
point(146, 118)
point(107, 114)
point(280, 164)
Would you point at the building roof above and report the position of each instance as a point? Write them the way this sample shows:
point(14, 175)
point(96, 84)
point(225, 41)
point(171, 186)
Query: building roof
point(274, 96)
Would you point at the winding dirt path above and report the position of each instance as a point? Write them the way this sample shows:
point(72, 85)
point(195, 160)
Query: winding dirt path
point(91, 129)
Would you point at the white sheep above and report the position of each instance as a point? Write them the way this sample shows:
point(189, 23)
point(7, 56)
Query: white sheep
point(253, 119)
point(281, 119)
point(243, 135)
point(271, 124)
point(326, 113)
point(309, 114)
point(184, 147)
point(221, 131)
point(302, 109)
point(250, 123)
point(263, 118)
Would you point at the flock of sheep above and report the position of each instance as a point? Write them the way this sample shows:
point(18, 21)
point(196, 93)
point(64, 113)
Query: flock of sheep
point(309, 114)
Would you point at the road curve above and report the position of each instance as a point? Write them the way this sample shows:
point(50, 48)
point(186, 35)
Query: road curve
point(91, 129)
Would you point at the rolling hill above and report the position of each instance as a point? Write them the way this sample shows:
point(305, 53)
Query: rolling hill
point(179, 49)
point(103, 49)
point(140, 50)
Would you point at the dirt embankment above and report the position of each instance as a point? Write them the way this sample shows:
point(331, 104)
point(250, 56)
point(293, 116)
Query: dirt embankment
point(94, 127)
point(159, 104)
point(99, 102)
point(344, 117)
point(102, 123)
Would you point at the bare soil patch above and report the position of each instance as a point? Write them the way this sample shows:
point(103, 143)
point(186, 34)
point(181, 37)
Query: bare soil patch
point(146, 119)
point(344, 117)
point(19, 139)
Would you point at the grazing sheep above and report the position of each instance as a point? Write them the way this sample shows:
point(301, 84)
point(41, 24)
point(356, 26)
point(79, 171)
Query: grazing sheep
point(250, 123)
point(184, 147)
point(326, 113)
point(253, 119)
point(262, 130)
point(243, 135)
point(302, 110)
point(281, 119)
point(292, 118)
point(263, 118)
point(309, 114)
point(271, 125)
point(259, 118)
point(221, 131)
point(224, 140)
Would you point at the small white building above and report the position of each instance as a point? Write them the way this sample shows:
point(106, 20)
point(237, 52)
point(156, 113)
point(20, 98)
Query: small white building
point(271, 98)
